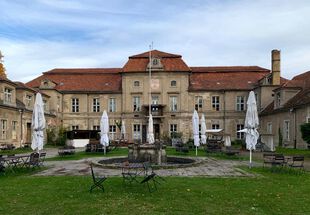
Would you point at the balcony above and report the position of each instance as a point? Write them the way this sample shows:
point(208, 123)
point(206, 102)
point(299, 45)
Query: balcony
point(156, 110)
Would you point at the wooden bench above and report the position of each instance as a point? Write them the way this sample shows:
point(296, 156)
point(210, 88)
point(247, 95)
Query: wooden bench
point(296, 161)
point(66, 151)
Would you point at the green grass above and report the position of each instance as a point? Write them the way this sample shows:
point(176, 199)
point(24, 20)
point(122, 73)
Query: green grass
point(287, 151)
point(83, 154)
point(274, 193)
point(16, 151)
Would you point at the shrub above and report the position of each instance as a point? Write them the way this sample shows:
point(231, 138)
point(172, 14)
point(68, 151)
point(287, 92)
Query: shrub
point(305, 132)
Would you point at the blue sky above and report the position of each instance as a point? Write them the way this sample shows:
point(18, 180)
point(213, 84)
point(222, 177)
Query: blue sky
point(39, 35)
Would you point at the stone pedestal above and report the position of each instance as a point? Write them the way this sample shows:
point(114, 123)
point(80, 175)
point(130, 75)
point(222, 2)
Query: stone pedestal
point(154, 153)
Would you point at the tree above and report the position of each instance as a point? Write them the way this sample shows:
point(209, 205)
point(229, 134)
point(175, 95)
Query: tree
point(305, 132)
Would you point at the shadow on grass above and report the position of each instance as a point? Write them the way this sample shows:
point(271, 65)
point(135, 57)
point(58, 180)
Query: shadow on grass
point(21, 171)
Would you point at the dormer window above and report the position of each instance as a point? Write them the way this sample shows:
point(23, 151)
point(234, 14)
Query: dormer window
point(278, 99)
point(8, 95)
point(173, 83)
point(155, 62)
point(45, 83)
point(136, 83)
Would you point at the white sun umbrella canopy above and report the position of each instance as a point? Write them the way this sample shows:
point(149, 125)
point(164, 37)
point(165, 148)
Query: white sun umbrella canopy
point(203, 129)
point(195, 121)
point(104, 130)
point(251, 125)
point(150, 136)
point(123, 130)
point(38, 124)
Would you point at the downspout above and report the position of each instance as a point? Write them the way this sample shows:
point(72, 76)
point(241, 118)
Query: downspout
point(295, 130)
point(224, 120)
point(21, 111)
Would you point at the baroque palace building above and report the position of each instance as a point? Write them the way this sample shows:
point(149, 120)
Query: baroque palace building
point(76, 98)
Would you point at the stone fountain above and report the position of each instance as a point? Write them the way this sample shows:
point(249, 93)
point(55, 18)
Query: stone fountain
point(154, 153)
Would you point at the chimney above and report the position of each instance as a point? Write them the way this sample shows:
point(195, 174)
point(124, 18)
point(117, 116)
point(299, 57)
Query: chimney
point(275, 67)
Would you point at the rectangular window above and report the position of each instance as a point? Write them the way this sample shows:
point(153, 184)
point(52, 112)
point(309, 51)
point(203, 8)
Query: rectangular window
point(4, 127)
point(240, 135)
point(173, 129)
point(75, 105)
point(75, 127)
point(269, 127)
point(112, 131)
point(278, 99)
point(240, 103)
point(96, 127)
point(308, 119)
point(155, 99)
point(198, 103)
point(215, 126)
point(136, 103)
point(44, 105)
point(136, 132)
point(112, 105)
point(173, 103)
point(215, 103)
point(96, 105)
point(14, 129)
point(28, 100)
point(7, 95)
point(286, 130)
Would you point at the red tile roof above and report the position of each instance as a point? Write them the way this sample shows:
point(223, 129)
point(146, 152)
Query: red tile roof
point(302, 82)
point(225, 78)
point(87, 80)
point(170, 62)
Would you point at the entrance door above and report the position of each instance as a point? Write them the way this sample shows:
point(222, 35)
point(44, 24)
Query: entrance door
point(156, 131)
point(144, 133)
point(28, 137)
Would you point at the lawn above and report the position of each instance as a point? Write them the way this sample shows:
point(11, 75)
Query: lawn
point(270, 193)
point(16, 151)
point(287, 151)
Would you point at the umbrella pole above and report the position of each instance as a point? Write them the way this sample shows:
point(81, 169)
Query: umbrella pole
point(250, 158)
point(104, 149)
point(196, 150)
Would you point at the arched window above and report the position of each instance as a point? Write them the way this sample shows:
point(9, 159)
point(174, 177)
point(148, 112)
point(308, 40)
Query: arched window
point(173, 83)
point(136, 83)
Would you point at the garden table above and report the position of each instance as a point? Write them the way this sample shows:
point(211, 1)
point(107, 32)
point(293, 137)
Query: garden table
point(13, 162)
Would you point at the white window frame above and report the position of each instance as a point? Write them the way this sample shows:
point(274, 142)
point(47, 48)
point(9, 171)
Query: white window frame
point(75, 105)
point(112, 132)
point(14, 130)
point(112, 104)
point(4, 128)
point(136, 131)
point(136, 103)
point(28, 100)
point(269, 127)
point(198, 103)
point(74, 127)
point(215, 126)
point(96, 127)
point(173, 100)
point(278, 99)
point(8, 95)
point(215, 103)
point(240, 103)
point(96, 105)
point(173, 83)
point(286, 130)
point(240, 135)
point(173, 128)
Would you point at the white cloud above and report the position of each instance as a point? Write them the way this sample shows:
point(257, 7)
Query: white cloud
point(54, 34)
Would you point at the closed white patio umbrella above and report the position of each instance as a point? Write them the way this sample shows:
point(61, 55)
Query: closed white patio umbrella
point(123, 130)
point(104, 130)
point(195, 121)
point(251, 125)
point(203, 129)
point(38, 124)
point(150, 136)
